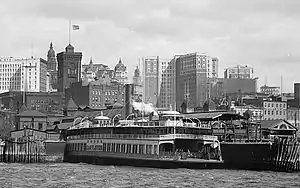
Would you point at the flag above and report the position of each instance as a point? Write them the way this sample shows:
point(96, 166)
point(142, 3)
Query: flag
point(75, 27)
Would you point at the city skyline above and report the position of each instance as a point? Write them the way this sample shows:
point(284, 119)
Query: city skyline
point(263, 35)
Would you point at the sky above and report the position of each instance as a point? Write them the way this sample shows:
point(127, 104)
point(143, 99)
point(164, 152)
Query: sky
point(263, 34)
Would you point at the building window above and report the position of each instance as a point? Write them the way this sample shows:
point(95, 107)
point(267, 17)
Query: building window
point(40, 126)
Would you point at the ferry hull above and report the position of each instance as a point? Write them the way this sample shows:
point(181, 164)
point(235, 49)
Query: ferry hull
point(248, 156)
point(142, 162)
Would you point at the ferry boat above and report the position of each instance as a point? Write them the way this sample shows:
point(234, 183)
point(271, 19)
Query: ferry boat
point(165, 142)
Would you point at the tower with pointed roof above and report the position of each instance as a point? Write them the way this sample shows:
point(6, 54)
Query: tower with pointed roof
point(121, 72)
point(69, 68)
point(51, 69)
point(51, 59)
point(137, 79)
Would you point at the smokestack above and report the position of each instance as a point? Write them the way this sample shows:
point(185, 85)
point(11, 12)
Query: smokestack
point(129, 93)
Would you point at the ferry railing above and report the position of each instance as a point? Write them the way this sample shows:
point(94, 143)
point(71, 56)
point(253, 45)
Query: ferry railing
point(133, 136)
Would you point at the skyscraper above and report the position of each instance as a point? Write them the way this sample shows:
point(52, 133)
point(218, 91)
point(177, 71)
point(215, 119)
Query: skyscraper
point(150, 79)
point(69, 67)
point(23, 74)
point(159, 81)
point(193, 74)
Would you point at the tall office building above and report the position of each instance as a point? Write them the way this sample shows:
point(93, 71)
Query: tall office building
point(193, 74)
point(150, 79)
point(239, 72)
point(69, 68)
point(159, 81)
point(167, 83)
point(23, 74)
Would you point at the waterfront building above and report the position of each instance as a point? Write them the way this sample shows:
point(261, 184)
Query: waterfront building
point(69, 67)
point(120, 74)
point(239, 72)
point(274, 110)
point(193, 74)
point(256, 113)
point(270, 90)
point(23, 74)
point(31, 119)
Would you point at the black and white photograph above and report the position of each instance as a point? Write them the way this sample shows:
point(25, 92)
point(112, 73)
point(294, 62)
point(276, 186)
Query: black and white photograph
point(149, 93)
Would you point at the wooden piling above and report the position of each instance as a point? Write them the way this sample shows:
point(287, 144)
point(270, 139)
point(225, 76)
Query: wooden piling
point(22, 152)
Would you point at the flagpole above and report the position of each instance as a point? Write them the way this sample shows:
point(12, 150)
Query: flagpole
point(69, 31)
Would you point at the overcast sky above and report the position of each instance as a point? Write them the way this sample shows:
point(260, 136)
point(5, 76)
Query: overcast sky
point(264, 34)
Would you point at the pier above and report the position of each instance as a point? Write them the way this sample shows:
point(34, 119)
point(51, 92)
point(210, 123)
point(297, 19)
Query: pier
point(288, 154)
point(22, 152)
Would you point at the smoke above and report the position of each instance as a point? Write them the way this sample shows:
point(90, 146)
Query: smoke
point(147, 108)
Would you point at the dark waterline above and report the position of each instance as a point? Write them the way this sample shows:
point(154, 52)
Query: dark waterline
point(85, 175)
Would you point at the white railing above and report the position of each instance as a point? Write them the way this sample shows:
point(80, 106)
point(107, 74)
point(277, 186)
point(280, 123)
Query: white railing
point(132, 136)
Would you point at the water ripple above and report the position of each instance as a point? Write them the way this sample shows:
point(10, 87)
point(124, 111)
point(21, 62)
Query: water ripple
point(83, 175)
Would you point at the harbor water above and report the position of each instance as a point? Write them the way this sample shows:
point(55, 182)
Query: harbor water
point(85, 175)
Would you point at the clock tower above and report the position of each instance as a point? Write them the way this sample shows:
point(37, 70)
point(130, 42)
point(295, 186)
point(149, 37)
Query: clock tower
point(69, 68)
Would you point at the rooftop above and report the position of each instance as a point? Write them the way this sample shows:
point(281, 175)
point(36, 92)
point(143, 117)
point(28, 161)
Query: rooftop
point(31, 113)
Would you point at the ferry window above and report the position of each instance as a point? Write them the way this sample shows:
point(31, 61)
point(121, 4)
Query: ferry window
point(135, 148)
point(108, 147)
point(128, 148)
point(104, 146)
point(118, 148)
point(113, 147)
point(141, 148)
point(123, 148)
point(155, 150)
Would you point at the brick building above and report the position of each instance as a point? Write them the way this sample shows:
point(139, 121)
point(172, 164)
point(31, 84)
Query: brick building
point(96, 94)
point(69, 68)
point(41, 101)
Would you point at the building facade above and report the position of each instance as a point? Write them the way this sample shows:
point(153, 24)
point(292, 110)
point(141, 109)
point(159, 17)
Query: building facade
point(23, 74)
point(151, 79)
point(275, 110)
point(256, 112)
point(121, 73)
point(193, 73)
point(269, 90)
point(95, 94)
point(138, 85)
point(239, 72)
point(293, 116)
point(297, 94)
point(69, 68)
point(167, 83)
point(45, 102)
point(92, 72)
